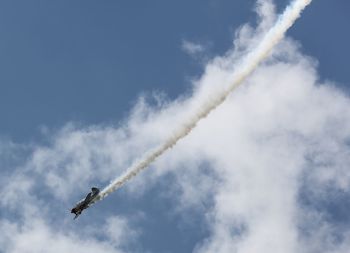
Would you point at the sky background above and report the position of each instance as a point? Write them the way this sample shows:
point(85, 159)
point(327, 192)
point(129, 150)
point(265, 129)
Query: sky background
point(87, 87)
point(88, 62)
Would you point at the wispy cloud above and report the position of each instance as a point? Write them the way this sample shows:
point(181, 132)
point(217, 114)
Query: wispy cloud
point(192, 48)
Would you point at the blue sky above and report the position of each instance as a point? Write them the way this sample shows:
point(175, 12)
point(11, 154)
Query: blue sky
point(87, 87)
point(77, 61)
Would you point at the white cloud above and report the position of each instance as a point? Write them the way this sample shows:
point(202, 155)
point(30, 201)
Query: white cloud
point(37, 236)
point(282, 133)
point(192, 48)
point(118, 231)
point(28, 223)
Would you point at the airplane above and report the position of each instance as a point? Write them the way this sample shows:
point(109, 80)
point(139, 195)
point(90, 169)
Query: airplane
point(85, 203)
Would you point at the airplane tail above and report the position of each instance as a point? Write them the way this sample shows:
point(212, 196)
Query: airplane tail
point(95, 190)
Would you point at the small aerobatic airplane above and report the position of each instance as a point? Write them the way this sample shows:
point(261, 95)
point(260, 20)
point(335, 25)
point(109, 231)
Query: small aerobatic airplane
point(85, 203)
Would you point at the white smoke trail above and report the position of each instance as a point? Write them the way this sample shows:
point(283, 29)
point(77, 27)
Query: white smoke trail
point(248, 65)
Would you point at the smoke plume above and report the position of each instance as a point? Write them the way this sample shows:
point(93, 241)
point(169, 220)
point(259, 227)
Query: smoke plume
point(246, 66)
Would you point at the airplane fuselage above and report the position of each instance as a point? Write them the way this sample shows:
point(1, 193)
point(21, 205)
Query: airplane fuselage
point(85, 203)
